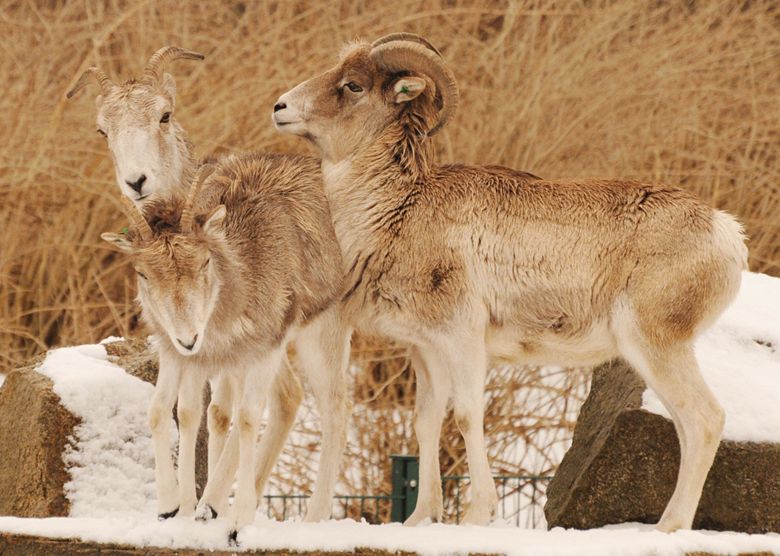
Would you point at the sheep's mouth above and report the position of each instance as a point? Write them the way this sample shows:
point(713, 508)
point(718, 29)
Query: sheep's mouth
point(293, 127)
point(142, 197)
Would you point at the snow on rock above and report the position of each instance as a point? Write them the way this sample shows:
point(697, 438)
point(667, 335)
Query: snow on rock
point(112, 464)
point(347, 535)
point(740, 360)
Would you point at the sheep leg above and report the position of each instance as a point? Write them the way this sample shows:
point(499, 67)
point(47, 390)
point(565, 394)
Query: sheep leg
point(283, 403)
point(673, 373)
point(189, 411)
point(433, 389)
point(159, 421)
point(323, 353)
point(218, 419)
point(214, 500)
point(256, 383)
point(467, 363)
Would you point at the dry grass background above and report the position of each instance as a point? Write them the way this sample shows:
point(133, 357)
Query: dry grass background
point(679, 92)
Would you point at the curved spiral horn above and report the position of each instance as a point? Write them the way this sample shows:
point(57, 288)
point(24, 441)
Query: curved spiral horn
point(414, 55)
point(137, 220)
point(105, 83)
point(155, 65)
point(404, 37)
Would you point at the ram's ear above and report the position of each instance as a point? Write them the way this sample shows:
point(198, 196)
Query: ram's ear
point(408, 88)
point(118, 241)
point(214, 219)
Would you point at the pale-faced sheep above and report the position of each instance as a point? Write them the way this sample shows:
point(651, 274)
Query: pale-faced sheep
point(151, 153)
point(466, 263)
point(226, 279)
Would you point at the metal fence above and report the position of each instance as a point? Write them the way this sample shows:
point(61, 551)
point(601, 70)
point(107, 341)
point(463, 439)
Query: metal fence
point(521, 498)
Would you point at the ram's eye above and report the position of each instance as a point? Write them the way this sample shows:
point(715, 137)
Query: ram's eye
point(354, 87)
point(165, 118)
point(103, 133)
point(141, 274)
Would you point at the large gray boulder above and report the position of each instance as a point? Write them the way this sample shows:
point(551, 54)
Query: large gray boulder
point(623, 462)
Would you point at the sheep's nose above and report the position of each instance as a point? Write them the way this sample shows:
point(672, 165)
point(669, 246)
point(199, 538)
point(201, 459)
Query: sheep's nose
point(137, 184)
point(188, 346)
point(279, 106)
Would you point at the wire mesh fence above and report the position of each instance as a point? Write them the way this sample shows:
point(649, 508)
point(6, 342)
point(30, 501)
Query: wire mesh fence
point(373, 508)
point(521, 501)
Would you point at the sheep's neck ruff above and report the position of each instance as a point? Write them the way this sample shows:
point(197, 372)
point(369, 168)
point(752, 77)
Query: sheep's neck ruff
point(370, 190)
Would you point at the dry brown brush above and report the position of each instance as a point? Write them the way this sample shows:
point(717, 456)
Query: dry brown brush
point(682, 92)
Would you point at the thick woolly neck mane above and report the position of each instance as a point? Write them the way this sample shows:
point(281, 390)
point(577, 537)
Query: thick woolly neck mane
point(404, 145)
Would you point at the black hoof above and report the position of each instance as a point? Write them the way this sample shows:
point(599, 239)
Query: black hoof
point(168, 515)
point(211, 515)
point(233, 538)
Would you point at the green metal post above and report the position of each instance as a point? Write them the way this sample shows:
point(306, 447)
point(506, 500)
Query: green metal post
point(406, 478)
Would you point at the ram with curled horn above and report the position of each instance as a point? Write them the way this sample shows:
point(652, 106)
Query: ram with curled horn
point(468, 264)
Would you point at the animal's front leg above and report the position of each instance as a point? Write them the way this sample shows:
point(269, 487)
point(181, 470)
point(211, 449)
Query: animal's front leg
point(433, 389)
point(159, 421)
point(256, 383)
point(189, 411)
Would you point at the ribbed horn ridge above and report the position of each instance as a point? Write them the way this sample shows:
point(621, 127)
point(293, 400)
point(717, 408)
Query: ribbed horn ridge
point(419, 56)
point(188, 212)
point(404, 37)
point(137, 220)
point(155, 65)
point(105, 83)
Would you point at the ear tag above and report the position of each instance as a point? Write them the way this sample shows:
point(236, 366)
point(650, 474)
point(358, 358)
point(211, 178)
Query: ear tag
point(405, 89)
point(124, 231)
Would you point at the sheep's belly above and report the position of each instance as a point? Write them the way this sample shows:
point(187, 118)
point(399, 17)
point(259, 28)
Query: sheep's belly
point(511, 345)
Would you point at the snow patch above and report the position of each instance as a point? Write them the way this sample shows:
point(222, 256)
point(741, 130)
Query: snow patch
point(111, 340)
point(740, 360)
point(112, 463)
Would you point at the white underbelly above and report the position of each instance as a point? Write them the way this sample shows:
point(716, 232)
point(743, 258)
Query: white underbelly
point(510, 345)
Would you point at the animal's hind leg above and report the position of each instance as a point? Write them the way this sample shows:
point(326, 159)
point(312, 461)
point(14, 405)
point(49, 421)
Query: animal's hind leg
point(218, 419)
point(468, 366)
point(672, 372)
point(283, 403)
point(323, 353)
